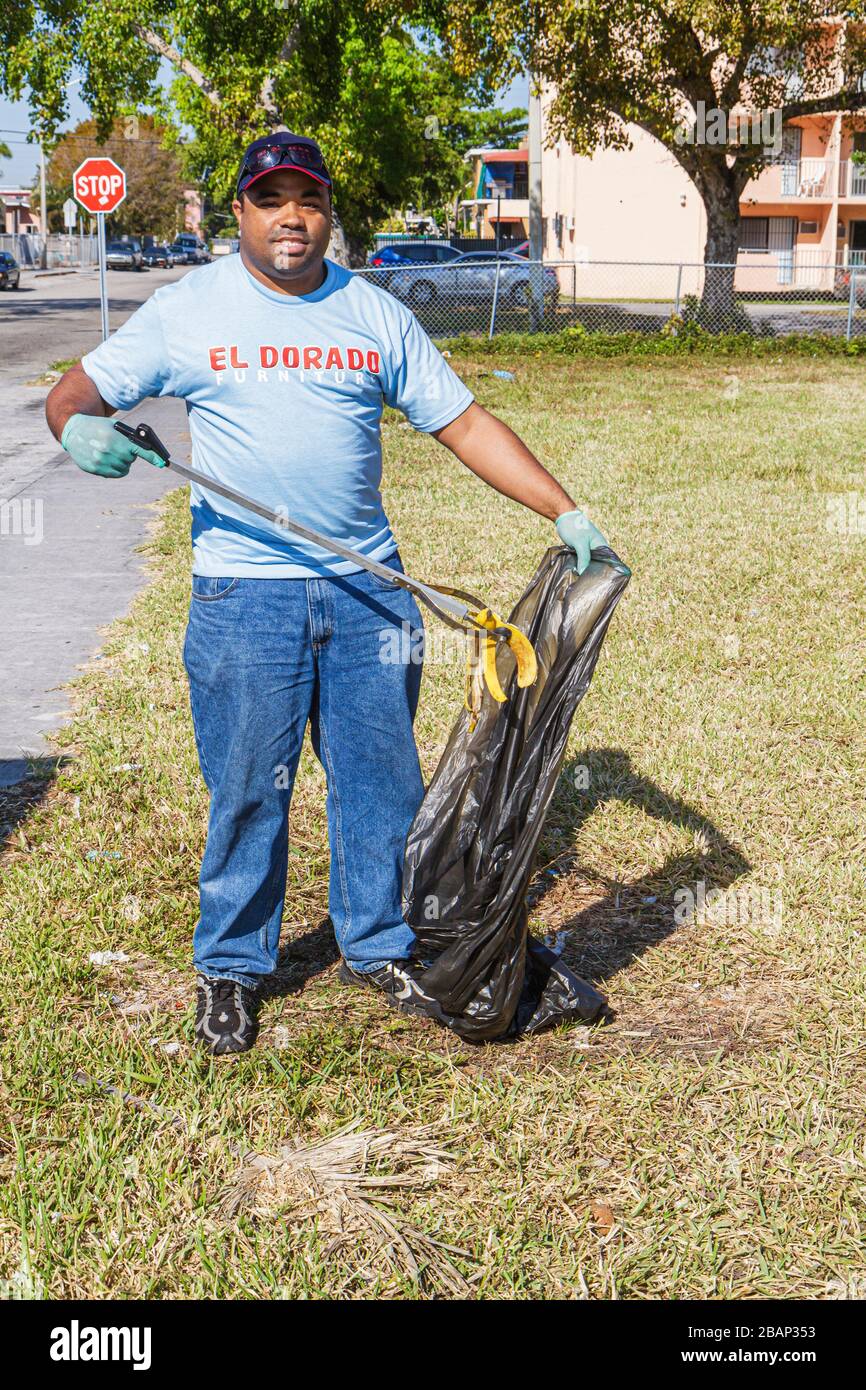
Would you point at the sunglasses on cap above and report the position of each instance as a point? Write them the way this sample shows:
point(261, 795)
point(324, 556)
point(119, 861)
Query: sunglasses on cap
point(307, 158)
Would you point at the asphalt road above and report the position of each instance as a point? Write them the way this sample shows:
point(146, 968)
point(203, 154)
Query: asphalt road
point(68, 561)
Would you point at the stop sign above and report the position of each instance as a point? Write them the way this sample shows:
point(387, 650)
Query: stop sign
point(99, 185)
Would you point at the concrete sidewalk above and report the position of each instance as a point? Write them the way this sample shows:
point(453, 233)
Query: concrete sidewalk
point(67, 569)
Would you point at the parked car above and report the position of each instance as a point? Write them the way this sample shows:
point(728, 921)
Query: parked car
point(10, 271)
point(159, 255)
point(413, 253)
point(225, 245)
point(472, 276)
point(386, 259)
point(193, 249)
point(124, 255)
point(522, 249)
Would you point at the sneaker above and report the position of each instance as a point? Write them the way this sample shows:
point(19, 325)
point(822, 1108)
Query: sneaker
point(399, 983)
point(225, 1015)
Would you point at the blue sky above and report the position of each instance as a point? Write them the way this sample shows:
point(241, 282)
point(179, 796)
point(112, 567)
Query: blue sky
point(14, 116)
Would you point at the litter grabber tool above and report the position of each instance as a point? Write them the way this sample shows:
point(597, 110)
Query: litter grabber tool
point(455, 607)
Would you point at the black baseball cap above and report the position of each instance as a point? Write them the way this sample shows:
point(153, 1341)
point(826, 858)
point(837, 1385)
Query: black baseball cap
point(282, 150)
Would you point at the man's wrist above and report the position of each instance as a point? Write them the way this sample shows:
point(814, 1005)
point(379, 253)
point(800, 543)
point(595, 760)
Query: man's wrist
point(66, 424)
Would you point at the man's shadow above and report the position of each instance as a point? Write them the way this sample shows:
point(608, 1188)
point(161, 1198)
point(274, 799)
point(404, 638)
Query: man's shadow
point(629, 918)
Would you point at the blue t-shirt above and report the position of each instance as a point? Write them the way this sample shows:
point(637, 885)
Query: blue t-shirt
point(284, 395)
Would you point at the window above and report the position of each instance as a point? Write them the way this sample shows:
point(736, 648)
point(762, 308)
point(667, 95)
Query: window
point(415, 251)
point(754, 233)
point(521, 181)
point(857, 236)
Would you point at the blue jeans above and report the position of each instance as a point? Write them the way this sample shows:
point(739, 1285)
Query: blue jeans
point(263, 656)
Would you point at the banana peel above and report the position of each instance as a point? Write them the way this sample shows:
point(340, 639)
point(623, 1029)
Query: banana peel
point(485, 629)
point(489, 629)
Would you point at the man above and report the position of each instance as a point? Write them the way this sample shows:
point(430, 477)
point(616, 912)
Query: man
point(284, 359)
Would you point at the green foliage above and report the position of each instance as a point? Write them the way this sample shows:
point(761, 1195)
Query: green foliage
point(673, 341)
point(493, 129)
point(390, 112)
point(154, 173)
point(648, 63)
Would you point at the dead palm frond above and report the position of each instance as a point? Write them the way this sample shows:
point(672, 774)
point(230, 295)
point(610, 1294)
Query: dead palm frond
point(344, 1182)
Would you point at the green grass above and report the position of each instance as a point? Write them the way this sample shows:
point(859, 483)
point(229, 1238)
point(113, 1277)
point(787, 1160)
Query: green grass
point(708, 1143)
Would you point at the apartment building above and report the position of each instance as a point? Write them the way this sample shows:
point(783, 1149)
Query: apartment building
point(805, 212)
point(500, 198)
point(802, 220)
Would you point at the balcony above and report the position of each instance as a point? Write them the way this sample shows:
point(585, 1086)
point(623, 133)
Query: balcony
point(796, 178)
point(510, 209)
point(852, 179)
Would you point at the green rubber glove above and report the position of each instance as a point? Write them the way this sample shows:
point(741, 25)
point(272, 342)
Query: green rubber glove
point(577, 530)
point(95, 445)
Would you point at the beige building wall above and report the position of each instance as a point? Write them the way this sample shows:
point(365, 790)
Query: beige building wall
point(638, 205)
point(621, 205)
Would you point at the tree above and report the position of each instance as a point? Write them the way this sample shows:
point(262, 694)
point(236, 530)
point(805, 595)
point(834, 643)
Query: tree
point(493, 129)
point(345, 71)
point(154, 175)
point(656, 65)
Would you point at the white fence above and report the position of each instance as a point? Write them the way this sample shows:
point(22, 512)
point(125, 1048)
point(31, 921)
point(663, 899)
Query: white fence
point(72, 250)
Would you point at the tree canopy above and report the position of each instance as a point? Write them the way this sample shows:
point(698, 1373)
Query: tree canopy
point(379, 97)
point(611, 64)
point(155, 178)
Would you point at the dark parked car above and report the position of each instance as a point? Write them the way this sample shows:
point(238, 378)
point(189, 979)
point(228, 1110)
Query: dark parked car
point(10, 271)
point(158, 255)
point(472, 276)
point(388, 258)
point(413, 253)
point(124, 255)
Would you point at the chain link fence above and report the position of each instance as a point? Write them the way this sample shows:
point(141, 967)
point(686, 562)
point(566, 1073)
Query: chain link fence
point(770, 296)
point(491, 295)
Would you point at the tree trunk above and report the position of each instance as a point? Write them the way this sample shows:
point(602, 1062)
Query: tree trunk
point(337, 248)
point(721, 196)
point(357, 247)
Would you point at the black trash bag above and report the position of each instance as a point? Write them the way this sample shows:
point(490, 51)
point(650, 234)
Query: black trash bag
point(470, 850)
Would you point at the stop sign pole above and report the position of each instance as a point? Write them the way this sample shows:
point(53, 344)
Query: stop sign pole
point(100, 186)
point(103, 288)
